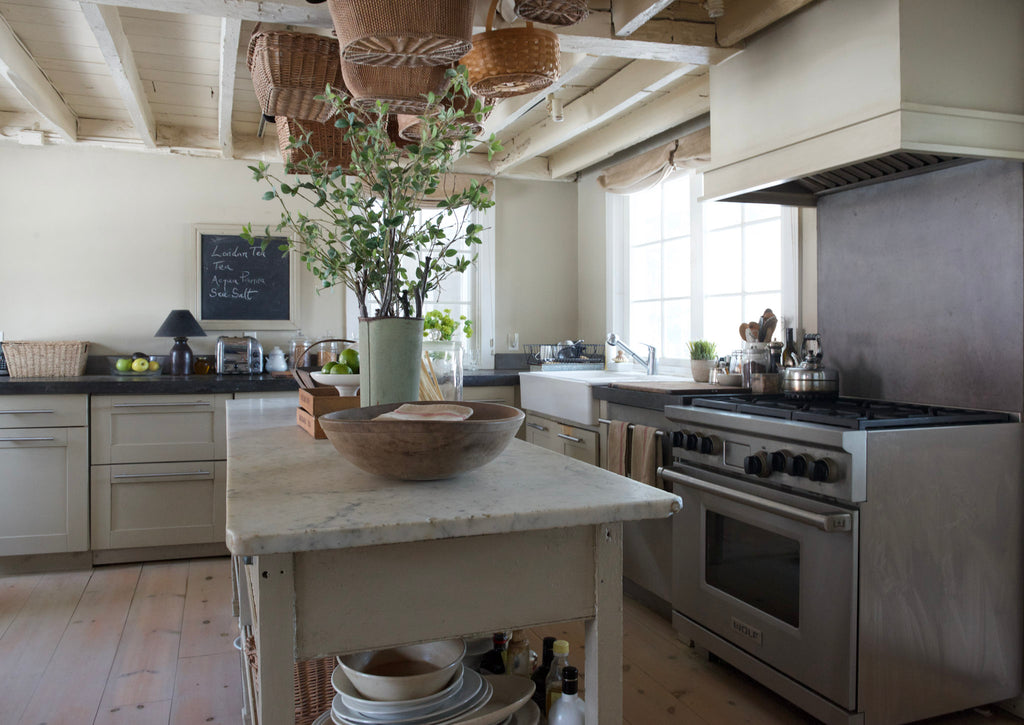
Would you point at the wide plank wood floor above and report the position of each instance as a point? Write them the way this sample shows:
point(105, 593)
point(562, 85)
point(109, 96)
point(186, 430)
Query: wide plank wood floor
point(151, 644)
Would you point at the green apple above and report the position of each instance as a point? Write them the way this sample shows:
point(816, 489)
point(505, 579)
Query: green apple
point(123, 364)
point(350, 356)
point(140, 364)
point(341, 369)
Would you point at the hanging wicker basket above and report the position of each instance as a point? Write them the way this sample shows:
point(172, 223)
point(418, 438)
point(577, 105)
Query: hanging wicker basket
point(553, 12)
point(324, 137)
point(403, 89)
point(290, 69)
point(407, 33)
point(409, 125)
point(511, 61)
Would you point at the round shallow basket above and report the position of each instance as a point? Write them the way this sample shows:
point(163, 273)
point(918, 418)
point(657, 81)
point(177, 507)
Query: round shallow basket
point(324, 137)
point(290, 69)
point(409, 125)
point(403, 89)
point(408, 33)
point(553, 12)
point(511, 61)
point(417, 450)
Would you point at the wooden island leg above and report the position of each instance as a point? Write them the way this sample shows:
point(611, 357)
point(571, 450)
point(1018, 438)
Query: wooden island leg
point(274, 615)
point(603, 665)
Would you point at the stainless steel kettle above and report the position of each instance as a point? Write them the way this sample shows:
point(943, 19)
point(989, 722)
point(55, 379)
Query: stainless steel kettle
point(810, 379)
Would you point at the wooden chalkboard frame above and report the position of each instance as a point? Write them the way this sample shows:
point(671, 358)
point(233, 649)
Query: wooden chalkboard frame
point(200, 231)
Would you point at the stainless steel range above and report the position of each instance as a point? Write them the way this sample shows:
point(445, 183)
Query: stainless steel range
point(861, 558)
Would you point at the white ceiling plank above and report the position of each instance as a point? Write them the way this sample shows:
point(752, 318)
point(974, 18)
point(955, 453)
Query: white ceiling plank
point(612, 98)
point(678, 106)
point(106, 26)
point(743, 18)
point(230, 32)
point(21, 71)
point(629, 15)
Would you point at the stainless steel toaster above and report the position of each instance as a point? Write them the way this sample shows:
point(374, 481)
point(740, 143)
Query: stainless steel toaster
point(239, 355)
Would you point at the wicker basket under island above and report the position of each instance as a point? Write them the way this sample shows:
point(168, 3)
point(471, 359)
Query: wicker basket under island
point(39, 359)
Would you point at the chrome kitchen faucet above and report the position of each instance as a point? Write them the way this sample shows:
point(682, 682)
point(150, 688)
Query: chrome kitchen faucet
point(651, 360)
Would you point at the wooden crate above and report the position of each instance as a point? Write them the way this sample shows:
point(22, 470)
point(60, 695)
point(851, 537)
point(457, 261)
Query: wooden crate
point(314, 402)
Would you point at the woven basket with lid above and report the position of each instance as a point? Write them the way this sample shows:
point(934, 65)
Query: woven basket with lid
point(511, 61)
point(407, 33)
point(553, 12)
point(290, 69)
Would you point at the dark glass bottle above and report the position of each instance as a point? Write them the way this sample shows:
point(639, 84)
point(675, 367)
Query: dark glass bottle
point(541, 673)
point(790, 355)
point(494, 661)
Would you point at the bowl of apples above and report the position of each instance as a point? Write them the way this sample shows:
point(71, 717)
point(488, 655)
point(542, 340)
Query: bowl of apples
point(137, 364)
point(342, 374)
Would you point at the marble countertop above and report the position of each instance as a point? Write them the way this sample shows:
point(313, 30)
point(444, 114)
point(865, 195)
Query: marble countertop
point(288, 492)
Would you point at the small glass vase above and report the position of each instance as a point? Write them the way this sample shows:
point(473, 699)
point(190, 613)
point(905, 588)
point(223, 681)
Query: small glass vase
point(441, 375)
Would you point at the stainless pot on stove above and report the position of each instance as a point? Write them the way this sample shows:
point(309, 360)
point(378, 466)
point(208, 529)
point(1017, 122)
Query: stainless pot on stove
point(810, 379)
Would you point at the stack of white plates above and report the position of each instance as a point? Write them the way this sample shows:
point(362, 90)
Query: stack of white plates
point(468, 699)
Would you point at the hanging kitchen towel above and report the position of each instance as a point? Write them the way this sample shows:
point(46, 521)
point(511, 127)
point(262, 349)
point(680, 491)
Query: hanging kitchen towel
point(645, 454)
point(618, 447)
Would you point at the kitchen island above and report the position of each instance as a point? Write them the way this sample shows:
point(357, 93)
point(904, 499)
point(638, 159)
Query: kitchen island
point(337, 560)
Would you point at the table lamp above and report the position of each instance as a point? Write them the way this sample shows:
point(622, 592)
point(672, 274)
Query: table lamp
point(180, 325)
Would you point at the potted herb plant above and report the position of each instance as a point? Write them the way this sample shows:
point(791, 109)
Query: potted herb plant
point(356, 224)
point(702, 357)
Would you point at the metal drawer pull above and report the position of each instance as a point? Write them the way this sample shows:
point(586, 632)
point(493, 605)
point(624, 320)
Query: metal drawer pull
point(159, 405)
point(570, 438)
point(830, 523)
point(657, 433)
point(39, 438)
point(535, 426)
point(161, 475)
point(24, 412)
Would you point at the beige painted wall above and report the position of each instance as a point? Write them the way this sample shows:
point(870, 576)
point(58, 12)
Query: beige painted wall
point(96, 244)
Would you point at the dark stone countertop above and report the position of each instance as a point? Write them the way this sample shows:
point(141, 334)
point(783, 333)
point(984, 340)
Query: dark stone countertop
point(480, 378)
point(655, 401)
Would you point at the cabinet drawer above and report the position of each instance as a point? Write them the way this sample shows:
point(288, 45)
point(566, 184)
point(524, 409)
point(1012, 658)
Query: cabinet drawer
point(578, 443)
point(158, 504)
point(44, 488)
point(43, 411)
point(504, 394)
point(149, 428)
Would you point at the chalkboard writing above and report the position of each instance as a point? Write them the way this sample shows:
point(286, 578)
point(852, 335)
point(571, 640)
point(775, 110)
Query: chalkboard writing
point(242, 282)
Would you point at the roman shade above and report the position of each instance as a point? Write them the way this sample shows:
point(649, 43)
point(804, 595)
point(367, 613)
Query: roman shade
point(453, 184)
point(647, 170)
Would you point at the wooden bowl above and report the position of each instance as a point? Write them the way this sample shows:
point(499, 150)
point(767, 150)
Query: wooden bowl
point(421, 450)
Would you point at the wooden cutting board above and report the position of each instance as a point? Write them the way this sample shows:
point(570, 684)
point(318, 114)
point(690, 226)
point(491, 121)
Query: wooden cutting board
point(677, 387)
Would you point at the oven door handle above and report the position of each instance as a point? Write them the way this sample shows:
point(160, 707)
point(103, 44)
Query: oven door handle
point(830, 522)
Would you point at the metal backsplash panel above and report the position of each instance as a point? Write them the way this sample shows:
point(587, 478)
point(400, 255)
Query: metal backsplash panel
point(921, 287)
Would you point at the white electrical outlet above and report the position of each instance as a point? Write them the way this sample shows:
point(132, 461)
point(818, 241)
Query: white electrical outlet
point(513, 341)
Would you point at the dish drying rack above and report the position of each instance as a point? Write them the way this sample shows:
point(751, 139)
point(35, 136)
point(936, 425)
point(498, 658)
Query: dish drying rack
point(592, 356)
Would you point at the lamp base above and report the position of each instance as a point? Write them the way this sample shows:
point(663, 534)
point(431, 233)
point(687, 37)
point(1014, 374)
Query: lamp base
point(181, 357)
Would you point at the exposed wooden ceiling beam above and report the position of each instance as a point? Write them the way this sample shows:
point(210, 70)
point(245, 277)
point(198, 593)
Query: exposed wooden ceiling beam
point(678, 106)
point(534, 169)
point(629, 15)
point(105, 22)
point(230, 32)
point(21, 70)
point(614, 97)
point(743, 18)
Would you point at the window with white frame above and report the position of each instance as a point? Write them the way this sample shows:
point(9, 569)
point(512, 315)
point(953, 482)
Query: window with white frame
point(685, 270)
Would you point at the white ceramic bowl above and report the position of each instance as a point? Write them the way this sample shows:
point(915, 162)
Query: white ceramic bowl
point(404, 673)
point(347, 385)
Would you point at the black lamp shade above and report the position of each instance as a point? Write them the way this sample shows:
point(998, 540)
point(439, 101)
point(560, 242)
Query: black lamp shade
point(180, 324)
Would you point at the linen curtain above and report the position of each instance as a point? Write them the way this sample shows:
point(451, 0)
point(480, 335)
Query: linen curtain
point(649, 169)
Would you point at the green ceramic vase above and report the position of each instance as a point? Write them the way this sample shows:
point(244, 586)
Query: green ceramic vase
point(389, 359)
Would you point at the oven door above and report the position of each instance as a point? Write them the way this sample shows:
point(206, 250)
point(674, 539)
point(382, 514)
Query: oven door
point(772, 573)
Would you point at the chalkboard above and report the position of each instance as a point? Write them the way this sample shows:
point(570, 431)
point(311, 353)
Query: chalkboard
point(243, 286)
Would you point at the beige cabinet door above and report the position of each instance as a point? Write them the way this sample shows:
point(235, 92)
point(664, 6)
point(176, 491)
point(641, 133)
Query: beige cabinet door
point(504, 394)
point(44, 490)
point(158, 504)
point(149, 428)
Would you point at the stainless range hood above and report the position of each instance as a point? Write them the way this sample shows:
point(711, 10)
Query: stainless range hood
point(843, 94)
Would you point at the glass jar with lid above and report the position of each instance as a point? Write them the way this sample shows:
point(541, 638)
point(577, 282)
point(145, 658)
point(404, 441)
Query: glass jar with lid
point(756, 359)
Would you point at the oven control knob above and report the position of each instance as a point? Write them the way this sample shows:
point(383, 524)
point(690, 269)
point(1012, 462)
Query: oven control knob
point(690, 441)
point(710, 445)
point(677, 439)
point(824, 470)
point(778, 460)
point(757, 465)
point(797, 465)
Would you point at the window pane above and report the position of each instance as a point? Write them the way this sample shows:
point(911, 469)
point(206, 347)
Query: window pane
point(677, 268)
point(722, 318)
point(677, 329)
point(645, 272)
point(644, 325)
point(645, 216)
point(762, 263)
point(753, 212)
point(723, 261)
point(718, 214)
point(676, 200)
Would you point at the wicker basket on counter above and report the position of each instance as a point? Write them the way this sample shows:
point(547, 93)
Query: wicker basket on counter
point(36, 359)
